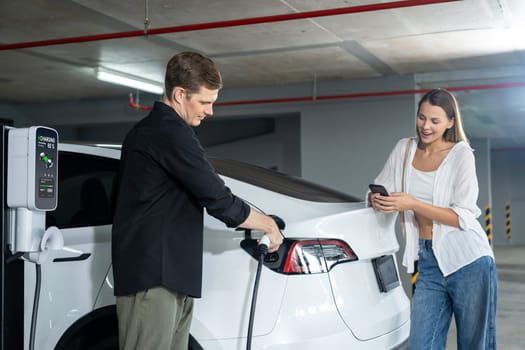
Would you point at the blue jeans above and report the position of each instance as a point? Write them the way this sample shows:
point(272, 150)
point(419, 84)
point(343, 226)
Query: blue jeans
point(470, 294)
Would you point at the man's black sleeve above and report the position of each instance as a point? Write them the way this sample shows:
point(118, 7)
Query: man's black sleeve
point(184, 158)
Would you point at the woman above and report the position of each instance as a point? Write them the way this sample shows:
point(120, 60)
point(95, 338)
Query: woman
point(432, 182)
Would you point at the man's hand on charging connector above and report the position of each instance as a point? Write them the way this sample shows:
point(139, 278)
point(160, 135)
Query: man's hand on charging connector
point(275, 236)
point(266, 224)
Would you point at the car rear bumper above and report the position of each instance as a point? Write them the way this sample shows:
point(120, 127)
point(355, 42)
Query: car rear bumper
point(309, 319)
point(335, 341)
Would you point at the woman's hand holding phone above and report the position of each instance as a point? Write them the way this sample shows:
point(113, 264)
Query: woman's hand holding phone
point(374, 188)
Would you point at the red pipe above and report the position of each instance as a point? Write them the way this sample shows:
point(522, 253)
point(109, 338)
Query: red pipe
point(229, 23)
point(134, 105)
point(347, 96)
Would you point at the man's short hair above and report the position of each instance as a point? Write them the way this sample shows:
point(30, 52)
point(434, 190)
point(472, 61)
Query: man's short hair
point(191, 71)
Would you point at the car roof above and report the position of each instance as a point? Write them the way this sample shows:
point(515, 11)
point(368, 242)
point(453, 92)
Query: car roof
point(279, 182)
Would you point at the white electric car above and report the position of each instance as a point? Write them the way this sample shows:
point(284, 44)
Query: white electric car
point(333, 284)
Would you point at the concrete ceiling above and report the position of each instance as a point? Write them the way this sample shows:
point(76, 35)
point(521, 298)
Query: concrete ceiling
point(448, 44)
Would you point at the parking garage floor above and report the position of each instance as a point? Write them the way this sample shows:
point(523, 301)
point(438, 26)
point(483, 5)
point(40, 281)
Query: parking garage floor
point(510, 322)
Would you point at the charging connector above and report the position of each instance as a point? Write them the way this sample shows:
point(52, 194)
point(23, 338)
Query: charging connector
point(264, 244)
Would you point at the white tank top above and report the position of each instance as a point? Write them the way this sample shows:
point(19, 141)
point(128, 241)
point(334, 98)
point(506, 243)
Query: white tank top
point(422, 185)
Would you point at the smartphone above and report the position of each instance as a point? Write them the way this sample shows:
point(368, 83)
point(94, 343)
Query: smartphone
point(378, 189)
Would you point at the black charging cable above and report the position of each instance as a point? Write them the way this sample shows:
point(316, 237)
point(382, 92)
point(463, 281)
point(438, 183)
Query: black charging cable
point(36, 301)
point(262, 250)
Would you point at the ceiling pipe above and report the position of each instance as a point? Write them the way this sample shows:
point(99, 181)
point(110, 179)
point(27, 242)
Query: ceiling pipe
point(137, 106)
point(134, 105)
point(228, 23)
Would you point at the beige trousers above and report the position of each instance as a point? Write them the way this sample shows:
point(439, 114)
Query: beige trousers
point(155, 319)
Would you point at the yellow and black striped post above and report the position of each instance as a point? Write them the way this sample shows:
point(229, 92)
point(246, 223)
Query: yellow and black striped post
point(488, 225)
point(507, 220)
point(414, 277)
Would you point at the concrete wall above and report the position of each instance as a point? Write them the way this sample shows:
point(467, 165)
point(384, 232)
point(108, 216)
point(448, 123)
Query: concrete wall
point(346, 147)
point(279, 150)
point(508, 168)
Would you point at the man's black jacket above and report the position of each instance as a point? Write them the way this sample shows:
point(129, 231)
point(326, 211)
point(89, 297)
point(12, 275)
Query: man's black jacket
point(165, 180)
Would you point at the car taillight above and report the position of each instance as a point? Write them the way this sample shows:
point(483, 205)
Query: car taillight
point(303, 256)
point(316, 256)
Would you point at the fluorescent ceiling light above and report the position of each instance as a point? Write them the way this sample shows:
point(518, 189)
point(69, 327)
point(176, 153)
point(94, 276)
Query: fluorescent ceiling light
point(129, 80)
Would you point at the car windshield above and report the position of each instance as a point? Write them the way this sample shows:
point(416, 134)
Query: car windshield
point(278, 182)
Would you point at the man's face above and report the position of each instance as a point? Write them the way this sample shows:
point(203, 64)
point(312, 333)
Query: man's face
point(193, 108)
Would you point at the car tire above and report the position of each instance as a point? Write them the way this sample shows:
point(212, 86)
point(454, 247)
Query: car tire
point(110, 343)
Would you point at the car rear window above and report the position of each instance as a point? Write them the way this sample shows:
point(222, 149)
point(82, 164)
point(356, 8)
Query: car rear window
point(278, 182)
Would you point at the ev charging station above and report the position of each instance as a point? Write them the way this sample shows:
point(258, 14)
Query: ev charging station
point(29, 161)
point(32, 177)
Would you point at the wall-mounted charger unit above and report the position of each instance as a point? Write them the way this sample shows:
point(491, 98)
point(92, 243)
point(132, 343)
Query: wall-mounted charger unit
point(32, 168)
point(32, 186)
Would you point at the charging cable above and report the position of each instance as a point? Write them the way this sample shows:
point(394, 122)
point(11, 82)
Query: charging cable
point(262, 250)
point(36, 301)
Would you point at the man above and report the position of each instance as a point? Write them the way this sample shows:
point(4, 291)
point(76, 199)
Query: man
point(165, 182)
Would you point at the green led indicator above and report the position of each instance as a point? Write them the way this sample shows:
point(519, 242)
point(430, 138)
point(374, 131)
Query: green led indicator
point(47, 161)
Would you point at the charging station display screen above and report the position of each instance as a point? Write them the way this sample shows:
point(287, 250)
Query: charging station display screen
point(46, 187)
point(46, 156)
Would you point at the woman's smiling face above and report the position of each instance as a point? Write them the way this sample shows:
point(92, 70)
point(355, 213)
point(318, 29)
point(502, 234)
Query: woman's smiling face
point(431, 123)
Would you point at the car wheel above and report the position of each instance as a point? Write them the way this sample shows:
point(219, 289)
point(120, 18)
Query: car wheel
point(110, 343)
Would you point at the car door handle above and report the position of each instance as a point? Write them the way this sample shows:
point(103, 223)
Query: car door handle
point(80, 257)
